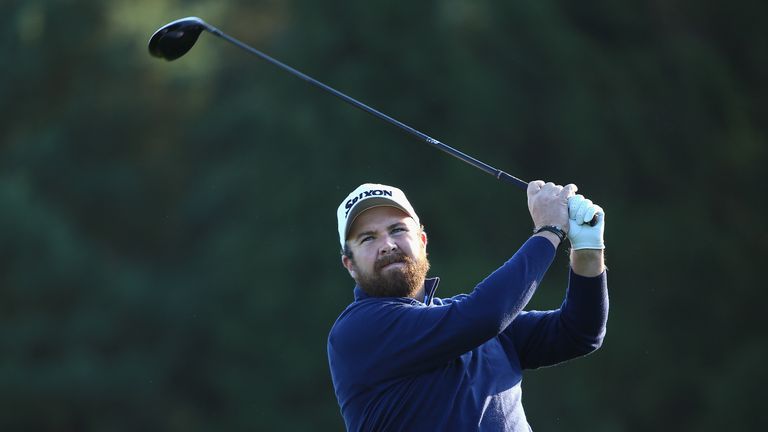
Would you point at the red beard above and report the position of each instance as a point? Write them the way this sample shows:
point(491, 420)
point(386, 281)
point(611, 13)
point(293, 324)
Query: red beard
point(404, 281)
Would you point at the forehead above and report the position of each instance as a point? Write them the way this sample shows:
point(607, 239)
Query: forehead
point(378, 218)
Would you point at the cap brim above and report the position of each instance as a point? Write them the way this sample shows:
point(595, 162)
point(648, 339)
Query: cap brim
point(367, 205)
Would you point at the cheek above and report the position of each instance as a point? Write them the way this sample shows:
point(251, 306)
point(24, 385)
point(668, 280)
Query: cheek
point(416, 248)
point(365, 260)
point(422, 251)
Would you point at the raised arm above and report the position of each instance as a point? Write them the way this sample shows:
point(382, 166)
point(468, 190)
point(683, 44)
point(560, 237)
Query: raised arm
point(578, 326)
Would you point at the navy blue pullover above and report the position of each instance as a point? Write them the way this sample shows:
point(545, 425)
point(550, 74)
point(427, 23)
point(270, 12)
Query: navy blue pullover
point(456, 364)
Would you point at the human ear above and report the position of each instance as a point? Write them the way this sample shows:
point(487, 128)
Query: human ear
point(349, 265)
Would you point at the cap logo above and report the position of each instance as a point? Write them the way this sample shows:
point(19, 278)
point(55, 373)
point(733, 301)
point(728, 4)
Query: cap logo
point(365, 194)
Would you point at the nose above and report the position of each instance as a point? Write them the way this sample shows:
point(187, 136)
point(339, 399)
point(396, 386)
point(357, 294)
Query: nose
point(388, 246)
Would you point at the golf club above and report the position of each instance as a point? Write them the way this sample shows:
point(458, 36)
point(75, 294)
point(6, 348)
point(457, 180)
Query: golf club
point(174, 39)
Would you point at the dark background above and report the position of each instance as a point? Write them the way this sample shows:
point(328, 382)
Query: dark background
point(168, 249)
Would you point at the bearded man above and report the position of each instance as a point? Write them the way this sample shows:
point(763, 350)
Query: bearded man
point(402, 359)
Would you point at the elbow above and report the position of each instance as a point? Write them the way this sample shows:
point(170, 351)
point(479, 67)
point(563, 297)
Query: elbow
point(594, 346)
point(586, 336)
point(588, 345)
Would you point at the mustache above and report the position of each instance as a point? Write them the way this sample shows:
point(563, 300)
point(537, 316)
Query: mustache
point(396, 257)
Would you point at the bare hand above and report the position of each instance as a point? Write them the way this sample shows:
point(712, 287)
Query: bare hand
point(548, 203)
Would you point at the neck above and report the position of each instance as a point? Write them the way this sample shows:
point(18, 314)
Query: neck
point(419, 294)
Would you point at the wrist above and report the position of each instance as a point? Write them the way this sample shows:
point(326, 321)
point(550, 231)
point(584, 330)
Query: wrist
point(552, 233)
point(588, 262)
point(554, 229)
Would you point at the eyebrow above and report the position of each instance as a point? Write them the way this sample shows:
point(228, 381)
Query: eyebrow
point(372, 232)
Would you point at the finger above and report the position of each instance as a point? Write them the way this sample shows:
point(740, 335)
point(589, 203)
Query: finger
point(589, 213)
point(548, 188)
point(534, 186)
point(569, 190)
point(599, 210)
point(600, 213)
point(573, 205)
point(582, 210)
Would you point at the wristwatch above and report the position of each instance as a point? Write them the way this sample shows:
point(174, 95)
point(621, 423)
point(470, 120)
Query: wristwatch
point(554, 229)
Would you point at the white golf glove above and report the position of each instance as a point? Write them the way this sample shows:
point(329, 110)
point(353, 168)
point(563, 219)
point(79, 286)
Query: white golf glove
point(580, 212)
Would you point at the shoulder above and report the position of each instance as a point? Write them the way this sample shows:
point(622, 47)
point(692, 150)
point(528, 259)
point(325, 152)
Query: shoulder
point(366, 316)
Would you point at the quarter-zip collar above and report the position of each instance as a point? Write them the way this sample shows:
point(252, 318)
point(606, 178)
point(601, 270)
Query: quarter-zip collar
point(430, 286)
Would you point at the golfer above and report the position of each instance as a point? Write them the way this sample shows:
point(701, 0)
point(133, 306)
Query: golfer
point(402, 359)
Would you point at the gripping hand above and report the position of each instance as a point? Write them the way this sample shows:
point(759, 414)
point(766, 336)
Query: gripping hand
point(580, 212)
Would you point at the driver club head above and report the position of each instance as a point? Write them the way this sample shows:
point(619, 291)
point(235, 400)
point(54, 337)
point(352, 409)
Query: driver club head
point(174, 39)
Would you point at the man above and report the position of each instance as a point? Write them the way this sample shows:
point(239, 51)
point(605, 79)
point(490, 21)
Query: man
point(402, 359)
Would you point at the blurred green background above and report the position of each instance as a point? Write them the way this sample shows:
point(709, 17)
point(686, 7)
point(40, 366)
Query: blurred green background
point(169, 258)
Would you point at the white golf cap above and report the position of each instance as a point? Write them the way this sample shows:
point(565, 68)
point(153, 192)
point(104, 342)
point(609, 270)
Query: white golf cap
point(367, 196)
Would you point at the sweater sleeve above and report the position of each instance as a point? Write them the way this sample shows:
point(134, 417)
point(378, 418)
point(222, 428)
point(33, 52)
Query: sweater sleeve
point(383, 339)
point(545, 338)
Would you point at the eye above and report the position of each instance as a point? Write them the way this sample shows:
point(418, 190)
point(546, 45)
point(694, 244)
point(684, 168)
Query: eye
point(399, 230)
point(366, 238)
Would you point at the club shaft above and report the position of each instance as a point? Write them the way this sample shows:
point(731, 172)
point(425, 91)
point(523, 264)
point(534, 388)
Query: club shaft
point(499, 174)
